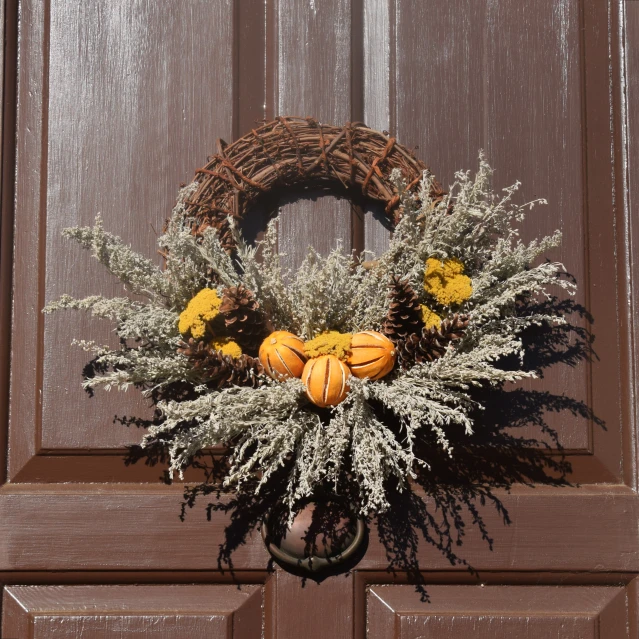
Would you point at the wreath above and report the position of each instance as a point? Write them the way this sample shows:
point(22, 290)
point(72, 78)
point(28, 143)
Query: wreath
point(332, 374)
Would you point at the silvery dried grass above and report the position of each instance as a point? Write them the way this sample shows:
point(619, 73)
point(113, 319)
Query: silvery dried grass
point(274, 426)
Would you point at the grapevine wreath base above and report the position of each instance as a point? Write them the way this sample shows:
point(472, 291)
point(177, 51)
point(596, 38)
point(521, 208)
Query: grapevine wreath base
point(332, 374)
point(289, 152)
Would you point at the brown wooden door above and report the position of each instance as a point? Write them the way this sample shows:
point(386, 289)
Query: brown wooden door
point(109, 105)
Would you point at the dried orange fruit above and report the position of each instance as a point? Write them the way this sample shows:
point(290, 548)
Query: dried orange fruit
point(372, 355)
point(282, 355)
point(326, 380)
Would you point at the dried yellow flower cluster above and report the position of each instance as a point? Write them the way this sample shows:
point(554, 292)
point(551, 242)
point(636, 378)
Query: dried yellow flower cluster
point(226, 346)
point(201, 310)
point(445, 281)
point(430, 318)
point(195, 320)
point(330, 343)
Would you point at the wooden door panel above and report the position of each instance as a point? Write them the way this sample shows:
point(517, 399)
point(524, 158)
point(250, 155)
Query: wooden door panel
point(498, 612)
point(140, 127)
point(631, 116)
point(508, 78)
point(330, 39)
point(328, 612)
point(110, 122)
point(80, 527)
point(376, 56)
point(537, 82)
point(102, 612)
point(303, 88)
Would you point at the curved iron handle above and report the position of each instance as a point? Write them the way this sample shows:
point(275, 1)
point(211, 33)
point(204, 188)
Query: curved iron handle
point(314, 563)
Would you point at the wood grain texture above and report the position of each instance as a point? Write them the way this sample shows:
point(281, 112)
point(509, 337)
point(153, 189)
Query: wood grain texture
point(470, 69)
point(5, 255)
point(333, 617)
point(377, 59)
point(111, 120)
point(101, 612)
point(129, 113)
point(507, 78)
point(77, 528)
point(25, 403)
point(314, 79)
point(628, 90)
point(609, 385)
point(249, 74)
point(498, 612)
point(9, 14)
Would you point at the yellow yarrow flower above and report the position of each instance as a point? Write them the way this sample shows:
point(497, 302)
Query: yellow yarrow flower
point(227, 347)
point(329, 343)
point(444, 280)
point(201, 310)
point(430, 318)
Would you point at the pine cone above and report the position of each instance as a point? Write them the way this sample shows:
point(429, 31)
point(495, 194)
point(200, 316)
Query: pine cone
point(432, 343)
point(404, 317)
point(219, 370)
point(244, 320)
